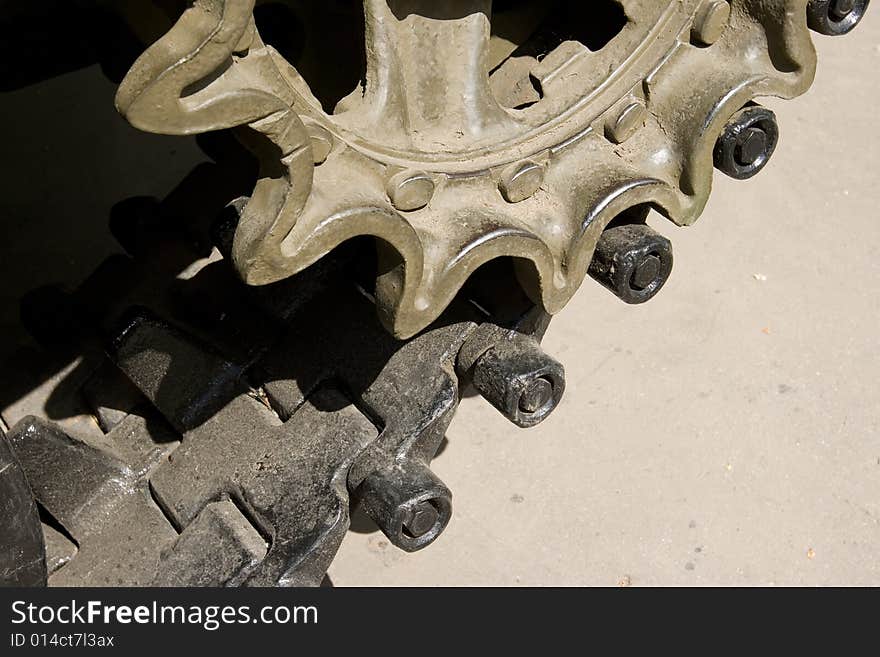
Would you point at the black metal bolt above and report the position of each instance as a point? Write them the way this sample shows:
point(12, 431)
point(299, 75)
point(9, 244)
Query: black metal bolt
point(751, 146)
point(633, 261)
point(646, 272)
point(518, 378)
point(537, 395)
point(835, 17)
point(747, 142)
point(421, 519)
point(840, 9)
point(408, 502)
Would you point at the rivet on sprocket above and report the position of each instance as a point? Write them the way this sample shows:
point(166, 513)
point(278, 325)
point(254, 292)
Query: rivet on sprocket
point(410, 190)
point(322, 143)
point(710, 22)
point(627, 122)
point(521, 180)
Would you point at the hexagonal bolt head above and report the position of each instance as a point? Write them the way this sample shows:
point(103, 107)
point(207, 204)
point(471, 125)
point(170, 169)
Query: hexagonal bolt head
point(710, 22)
point(408, 502)
point(633, 261)
point(421, 519)
point(747, 142)
point(835, 17)
point(520, 380)
point(751, 146)
point(647, 271)
point(536, 395)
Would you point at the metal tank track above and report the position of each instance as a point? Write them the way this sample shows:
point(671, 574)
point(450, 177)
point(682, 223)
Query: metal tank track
point(188, 444)
point(185, 427)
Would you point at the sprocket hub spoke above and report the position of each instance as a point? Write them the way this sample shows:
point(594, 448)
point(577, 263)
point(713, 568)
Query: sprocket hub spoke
point(427, 84)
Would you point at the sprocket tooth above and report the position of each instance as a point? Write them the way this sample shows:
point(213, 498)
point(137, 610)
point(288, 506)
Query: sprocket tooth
point(624, 111)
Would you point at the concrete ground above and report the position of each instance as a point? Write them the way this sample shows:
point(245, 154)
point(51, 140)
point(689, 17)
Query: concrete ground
point(725, 433)
point(728, 432)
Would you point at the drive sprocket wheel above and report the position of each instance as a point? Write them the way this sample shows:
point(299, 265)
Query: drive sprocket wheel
point(475, 130)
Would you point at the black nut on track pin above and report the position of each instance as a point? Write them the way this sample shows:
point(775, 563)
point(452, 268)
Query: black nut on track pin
point(835, 17)
point(520, 380)
point(409, 504)
point(633, 261)
point(747, 142)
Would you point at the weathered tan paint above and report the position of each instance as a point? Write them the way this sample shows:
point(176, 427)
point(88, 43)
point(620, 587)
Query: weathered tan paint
point(429, 117)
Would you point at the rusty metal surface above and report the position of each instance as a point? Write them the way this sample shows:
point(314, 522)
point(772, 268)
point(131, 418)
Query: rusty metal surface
point(475, 130)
